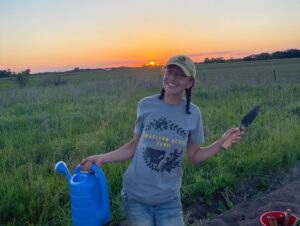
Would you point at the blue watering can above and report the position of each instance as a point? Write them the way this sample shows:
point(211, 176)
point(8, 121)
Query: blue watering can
point(89, 195)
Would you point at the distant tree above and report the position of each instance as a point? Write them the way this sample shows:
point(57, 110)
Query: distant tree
point(207, 60)
point(263, 56)
point(249, 58)
point(26, 72)
point(76, 69)
point(214, 60)
point(22, 78)
point(289, 53)
point(219, 60)
point(5, 73)
point(293, 52)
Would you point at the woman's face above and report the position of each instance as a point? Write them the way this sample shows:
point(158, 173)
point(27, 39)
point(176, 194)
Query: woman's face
point(175, 81)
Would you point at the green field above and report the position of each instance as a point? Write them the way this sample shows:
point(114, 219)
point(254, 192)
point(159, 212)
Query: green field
point(94, 112)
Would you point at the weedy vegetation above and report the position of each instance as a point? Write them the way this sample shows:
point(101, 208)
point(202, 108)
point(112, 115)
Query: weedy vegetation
point(70, 116)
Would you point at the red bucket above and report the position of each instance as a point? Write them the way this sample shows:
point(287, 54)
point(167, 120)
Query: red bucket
point(264, 218)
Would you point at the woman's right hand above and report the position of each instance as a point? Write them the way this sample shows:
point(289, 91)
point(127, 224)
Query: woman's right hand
point(86, 163)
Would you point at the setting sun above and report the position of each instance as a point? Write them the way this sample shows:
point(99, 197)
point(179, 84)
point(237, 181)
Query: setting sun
point(152, 64)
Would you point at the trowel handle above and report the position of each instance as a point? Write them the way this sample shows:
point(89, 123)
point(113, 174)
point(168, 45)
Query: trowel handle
point(227, 143)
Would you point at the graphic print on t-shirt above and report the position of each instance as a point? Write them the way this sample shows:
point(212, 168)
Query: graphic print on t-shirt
point(162, 124)
point(167, 155)
point(154, 157)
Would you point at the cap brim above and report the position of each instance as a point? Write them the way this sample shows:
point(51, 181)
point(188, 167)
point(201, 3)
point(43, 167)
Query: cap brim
point(182, 68)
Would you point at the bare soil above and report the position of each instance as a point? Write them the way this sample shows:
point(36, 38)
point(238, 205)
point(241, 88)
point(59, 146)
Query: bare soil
point(283, 192)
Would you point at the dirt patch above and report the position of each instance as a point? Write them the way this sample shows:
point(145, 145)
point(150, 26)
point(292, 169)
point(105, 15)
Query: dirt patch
point(248, 213)
point(282, 192)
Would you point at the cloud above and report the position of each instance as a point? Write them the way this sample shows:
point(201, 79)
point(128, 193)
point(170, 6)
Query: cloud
point(224, 54)
point(210, 53)
point(119, 63)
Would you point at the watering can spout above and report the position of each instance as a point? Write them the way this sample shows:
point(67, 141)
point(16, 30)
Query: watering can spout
point(61, 167)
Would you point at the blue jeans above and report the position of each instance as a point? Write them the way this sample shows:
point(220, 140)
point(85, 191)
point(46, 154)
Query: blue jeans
point(141, 214)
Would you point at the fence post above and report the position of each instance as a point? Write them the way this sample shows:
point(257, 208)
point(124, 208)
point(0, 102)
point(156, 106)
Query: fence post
point(274, 75)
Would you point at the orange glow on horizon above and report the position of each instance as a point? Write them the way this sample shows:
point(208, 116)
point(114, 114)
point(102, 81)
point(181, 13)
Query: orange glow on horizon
point(58, 60)
point(111, 34)
point(152, 63)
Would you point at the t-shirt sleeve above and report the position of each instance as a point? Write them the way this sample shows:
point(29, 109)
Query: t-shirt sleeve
point(139, 122)
point(196, 136)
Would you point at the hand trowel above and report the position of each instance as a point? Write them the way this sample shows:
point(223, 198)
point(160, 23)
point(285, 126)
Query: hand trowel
point(245, 122)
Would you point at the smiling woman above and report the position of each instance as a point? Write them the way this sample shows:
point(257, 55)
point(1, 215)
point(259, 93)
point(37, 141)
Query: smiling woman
point(167, 127)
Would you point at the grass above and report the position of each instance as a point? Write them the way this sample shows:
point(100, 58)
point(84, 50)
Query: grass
point(95, 113)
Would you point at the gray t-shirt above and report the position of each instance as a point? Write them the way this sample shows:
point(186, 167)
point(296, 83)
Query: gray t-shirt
point(155, 173)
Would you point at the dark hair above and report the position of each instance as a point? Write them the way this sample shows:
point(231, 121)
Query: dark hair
point(188, 95)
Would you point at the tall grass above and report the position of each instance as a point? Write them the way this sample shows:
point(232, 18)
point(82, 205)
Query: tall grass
point(95, 113)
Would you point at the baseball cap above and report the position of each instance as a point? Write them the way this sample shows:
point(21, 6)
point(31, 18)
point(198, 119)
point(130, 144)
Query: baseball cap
point(185, 63)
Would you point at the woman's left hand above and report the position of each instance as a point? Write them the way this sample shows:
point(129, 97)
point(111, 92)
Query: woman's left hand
point(232, 136)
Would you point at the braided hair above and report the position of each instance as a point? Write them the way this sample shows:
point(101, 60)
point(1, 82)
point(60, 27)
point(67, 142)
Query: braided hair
point(188, 95)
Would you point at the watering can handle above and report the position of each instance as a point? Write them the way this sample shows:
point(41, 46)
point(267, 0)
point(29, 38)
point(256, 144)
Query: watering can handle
point(103, 184)
point(94, 169)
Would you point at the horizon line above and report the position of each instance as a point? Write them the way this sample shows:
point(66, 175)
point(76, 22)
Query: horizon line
point(137, 63)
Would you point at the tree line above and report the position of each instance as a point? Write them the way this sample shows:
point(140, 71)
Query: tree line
point(290, 53)
point(9, 73)
point(21, 78)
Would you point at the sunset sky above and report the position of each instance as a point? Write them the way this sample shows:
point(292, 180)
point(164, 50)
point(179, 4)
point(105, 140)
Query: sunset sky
point(56, 35)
